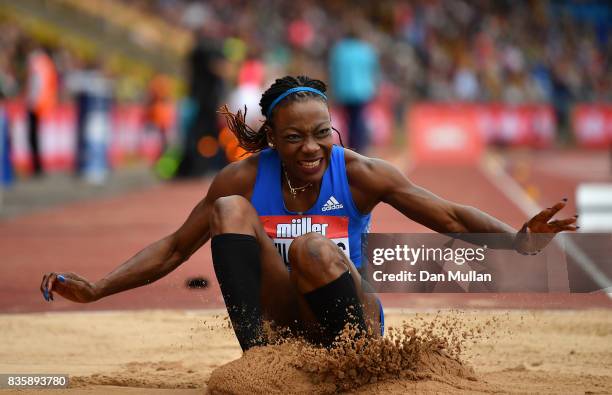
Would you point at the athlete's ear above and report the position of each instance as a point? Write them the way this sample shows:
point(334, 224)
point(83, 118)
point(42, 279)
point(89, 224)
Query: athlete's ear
point(269, 136)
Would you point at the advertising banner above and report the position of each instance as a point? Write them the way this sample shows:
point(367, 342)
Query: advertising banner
point(457, 133)
point(592, 125)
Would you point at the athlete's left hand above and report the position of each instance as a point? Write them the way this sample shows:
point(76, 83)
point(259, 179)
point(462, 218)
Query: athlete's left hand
point(540, 230)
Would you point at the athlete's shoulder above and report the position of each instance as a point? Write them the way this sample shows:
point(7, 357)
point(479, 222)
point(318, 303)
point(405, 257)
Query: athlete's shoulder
point(360, 168)
point(237, 178)
point(370, 179)
point(244, 168)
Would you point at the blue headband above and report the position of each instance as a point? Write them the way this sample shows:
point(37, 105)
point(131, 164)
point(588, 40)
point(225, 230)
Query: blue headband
point(290, 91)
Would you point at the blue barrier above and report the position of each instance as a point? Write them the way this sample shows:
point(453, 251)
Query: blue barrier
point(6, 167)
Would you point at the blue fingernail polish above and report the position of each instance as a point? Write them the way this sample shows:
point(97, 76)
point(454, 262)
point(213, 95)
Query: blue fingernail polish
point(61, 278)
point(46, 294)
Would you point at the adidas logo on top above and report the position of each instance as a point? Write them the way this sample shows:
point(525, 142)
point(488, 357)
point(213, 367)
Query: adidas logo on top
point(332, 204)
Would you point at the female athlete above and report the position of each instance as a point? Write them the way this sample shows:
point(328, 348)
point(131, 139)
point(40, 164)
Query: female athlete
point(285, 225)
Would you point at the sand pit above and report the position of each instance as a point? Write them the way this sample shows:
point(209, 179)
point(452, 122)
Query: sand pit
point(194, 352)
point(299, 368)
point(422, 348)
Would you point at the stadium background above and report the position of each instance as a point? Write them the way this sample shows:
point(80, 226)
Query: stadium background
point(502, 105)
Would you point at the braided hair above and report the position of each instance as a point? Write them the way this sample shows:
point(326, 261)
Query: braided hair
point(256, 140)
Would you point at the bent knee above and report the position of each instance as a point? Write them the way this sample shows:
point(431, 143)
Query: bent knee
point(231, 214)
point(312, 254)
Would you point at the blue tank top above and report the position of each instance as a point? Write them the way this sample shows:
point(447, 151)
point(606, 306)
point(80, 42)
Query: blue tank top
point(334, 214)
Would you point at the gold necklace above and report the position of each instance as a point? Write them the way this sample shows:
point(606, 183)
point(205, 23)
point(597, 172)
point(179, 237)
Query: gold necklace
point(293, 190)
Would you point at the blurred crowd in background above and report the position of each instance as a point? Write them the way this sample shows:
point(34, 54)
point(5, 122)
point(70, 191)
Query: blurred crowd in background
point(206, 53)
point(439, 50)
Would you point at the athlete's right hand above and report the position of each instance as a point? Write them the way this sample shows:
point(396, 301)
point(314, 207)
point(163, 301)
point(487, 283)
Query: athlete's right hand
point(69, 285)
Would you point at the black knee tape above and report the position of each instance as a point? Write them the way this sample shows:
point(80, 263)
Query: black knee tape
point(335, 305)
point(238, 271)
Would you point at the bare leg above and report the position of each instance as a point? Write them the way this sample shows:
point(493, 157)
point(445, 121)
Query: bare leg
point(235, 214)
point(317, 261)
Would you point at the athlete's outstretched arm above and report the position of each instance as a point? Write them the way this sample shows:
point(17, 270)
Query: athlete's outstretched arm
point(159, 258)
point(387, 184)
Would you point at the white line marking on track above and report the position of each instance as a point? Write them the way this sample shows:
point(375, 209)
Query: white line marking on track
point(493, 169)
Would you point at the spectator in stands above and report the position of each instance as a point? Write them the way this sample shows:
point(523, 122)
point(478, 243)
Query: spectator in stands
point(41, 98)
point(92, 93)
point(354, 75)
point(158, 110)
point(208, 69)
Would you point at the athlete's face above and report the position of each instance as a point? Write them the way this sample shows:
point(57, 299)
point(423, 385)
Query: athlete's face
point(302, 134)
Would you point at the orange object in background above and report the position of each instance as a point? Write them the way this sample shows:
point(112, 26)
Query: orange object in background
point(444, 134)
point(229, 142)
point(160, 109)
point(226, 137)
point(208, 146)
point(42, 84)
